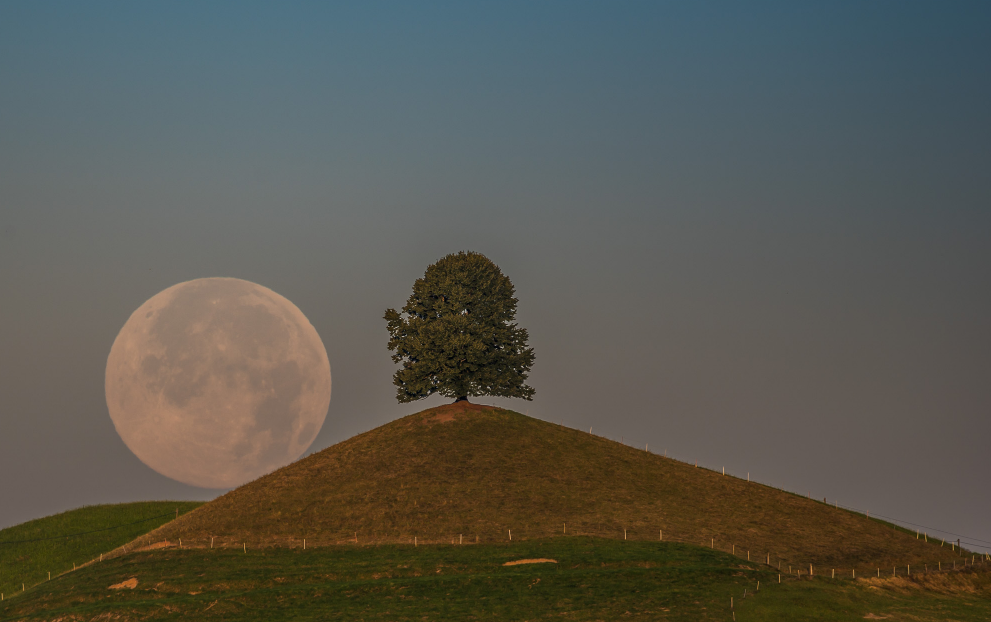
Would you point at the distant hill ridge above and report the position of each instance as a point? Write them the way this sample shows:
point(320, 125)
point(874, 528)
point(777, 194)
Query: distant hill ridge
point(466, 471)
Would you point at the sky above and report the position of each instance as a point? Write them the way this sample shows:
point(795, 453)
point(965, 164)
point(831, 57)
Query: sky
point(754, 235)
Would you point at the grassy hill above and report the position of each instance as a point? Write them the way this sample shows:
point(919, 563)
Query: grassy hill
point(412, 521)
point(476, 473)
point(55, 544)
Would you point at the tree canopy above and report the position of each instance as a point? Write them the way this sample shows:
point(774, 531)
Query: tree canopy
point(457, 335)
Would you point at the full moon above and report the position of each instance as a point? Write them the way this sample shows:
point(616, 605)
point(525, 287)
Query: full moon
point(214, 382)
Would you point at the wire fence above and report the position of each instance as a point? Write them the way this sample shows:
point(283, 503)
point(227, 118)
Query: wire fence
point(762, 560)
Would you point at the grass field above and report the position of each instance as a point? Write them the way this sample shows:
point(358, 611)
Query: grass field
point(593, 579)
point(29, 551)
point(963, 595)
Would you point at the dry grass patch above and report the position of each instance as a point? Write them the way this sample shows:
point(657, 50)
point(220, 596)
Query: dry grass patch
point(467, 473)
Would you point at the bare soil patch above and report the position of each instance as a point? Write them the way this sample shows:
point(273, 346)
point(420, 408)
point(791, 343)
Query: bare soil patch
point(129, 584)
point(539, 560)
point(452, 412)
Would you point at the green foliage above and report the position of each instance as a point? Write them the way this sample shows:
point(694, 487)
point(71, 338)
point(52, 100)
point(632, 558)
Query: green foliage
point(29, 551)
point(456, 334)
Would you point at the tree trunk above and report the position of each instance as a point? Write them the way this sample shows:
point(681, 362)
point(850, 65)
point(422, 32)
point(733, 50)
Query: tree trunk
point(463, 398)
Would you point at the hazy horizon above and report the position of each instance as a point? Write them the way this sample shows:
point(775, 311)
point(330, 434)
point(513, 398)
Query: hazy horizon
point(753, 235)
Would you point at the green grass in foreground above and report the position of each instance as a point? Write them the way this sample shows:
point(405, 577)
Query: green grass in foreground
point(30, 562)
point(963, 595)
point(594, 579)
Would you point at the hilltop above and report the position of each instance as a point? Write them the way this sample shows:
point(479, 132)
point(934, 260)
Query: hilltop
point(467, 472)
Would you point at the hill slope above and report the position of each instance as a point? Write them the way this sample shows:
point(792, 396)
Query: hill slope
point(481, 472)
point(54, 544)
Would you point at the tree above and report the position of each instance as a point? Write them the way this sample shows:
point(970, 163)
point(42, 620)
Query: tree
point(457, 335)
